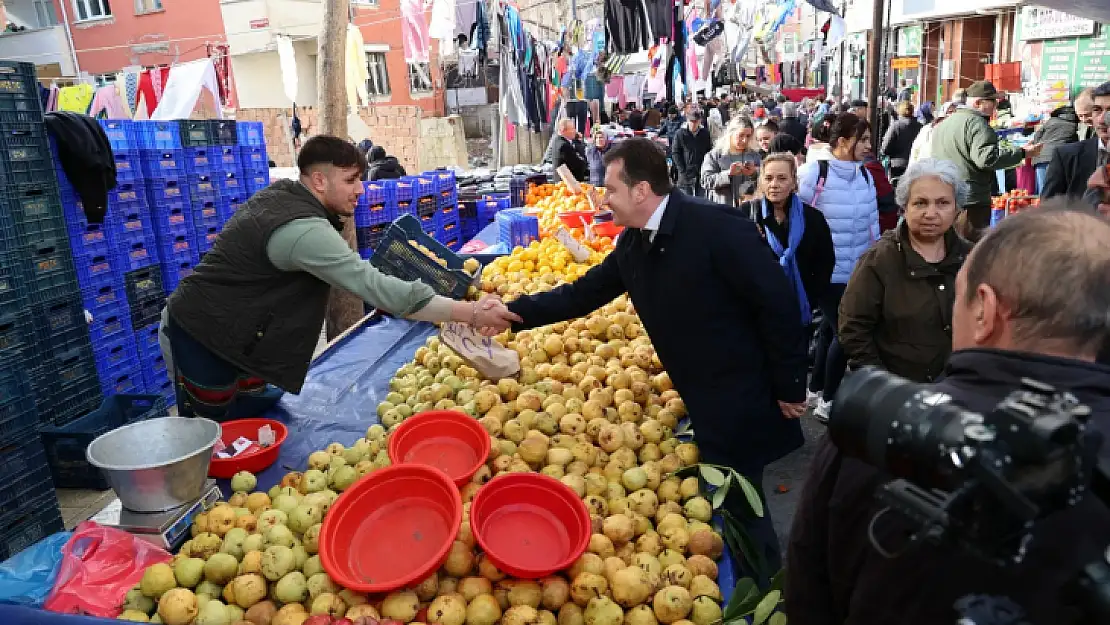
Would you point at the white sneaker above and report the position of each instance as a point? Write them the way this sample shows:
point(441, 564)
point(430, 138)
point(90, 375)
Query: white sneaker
point(812, 398)
point(821, 412)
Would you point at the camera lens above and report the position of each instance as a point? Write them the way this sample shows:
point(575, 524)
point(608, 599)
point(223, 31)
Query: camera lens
point(902, 427)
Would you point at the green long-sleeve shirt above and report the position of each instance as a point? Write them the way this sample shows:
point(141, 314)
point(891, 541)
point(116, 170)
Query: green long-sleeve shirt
point(967, 139)
point(312, 245)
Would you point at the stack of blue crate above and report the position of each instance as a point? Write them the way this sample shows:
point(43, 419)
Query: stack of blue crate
point(203, 180)
point(254, 163)
point(424, 204)
point(449, 231)
point(166, 185)
point(41, 365)
point(376, 209)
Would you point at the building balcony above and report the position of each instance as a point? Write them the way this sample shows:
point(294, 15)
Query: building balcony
point(251, 25)
point(48, 48)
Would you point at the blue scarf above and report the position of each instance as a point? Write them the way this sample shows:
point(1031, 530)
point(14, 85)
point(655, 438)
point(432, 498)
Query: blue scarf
point(796, 219)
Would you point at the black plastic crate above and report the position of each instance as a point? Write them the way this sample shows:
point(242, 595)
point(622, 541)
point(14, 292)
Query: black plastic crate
point(47, 270)
point(222, 132)
point(195, 133)
point(370, 237)
point(65, 445)
point(19, 93)
point(60, 325)
point(399, 258)
point(27, 485)
point(16, 333)
point(17, 403)
point(39, 518)
point(143, 284)
point(35, 211)
point(147, 310)
point(426, 207)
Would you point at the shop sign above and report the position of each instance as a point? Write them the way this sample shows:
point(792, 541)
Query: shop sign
point(1070, 65)
point(1042, 23)
point(259, 24)
point(909, 41)
point(901, 63)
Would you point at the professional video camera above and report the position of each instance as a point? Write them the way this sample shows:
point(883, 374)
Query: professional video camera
point(980, 482)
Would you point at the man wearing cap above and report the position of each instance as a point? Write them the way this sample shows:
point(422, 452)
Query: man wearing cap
point(967, 139)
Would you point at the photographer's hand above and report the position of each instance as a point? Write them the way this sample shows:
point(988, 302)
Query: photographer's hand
point(792, 411)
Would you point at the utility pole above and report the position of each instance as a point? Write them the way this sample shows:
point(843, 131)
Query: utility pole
point(344, 309)
point(875, 62)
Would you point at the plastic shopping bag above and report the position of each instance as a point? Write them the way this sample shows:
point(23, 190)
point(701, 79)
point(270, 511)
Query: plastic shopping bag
point(99, 566)
point(27, 577)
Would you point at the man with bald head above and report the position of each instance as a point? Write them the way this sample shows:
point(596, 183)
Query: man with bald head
point(1032, 301)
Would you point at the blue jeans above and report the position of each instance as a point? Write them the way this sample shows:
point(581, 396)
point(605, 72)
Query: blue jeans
point(209, 386)
point(1041, 169)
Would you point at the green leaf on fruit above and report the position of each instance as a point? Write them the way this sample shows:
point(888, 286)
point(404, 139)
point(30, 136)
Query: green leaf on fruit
point(719, 496)
point(745, 596)
point(712, 475)
point(766, 607)
point(751, 494)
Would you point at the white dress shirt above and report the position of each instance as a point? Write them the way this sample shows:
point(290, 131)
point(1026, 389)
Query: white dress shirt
point(652, 225)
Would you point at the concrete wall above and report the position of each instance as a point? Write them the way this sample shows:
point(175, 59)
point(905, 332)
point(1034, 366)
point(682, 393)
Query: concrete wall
point(442, 143)
point(526, 148)
point(419, 143)
point(478, 120)
point(258, 77)
point(42, 46)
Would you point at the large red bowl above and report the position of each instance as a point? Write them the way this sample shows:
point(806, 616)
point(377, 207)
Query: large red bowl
point(391, 529)
point(255, 459)
point(529, 525)
point(449, 440)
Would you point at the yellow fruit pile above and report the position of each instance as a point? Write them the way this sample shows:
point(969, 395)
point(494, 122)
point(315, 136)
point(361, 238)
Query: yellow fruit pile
point(538, 267)
point(549, 200)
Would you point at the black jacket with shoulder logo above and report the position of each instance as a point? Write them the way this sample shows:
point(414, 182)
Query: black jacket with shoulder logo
point(237, 304)
point(896, 312)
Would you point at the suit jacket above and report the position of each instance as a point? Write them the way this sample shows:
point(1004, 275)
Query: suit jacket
point(1070, 168)
point(722, 316)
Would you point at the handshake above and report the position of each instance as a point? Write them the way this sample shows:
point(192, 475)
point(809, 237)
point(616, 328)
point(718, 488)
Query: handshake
point(490, 316)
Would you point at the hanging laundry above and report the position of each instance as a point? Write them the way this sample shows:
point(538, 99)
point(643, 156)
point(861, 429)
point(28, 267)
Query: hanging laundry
point(185, 87)
point(159, 76)
point(442, 25)
point(657, 75)
point(627, 26)
point(76, 98)
point(660, 19)
point(355, 68)
point(221, 55)
point(287, 60)
point(634, 87)
point(149, 91)
point(414, 31)
point(614, 90)
point(481, 30)
point(52, 100)
point(468, 62)
point(106, 103)
point(466, 16)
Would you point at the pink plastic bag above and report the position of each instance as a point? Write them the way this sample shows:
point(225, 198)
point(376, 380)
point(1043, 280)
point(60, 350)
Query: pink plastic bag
point(99, 566)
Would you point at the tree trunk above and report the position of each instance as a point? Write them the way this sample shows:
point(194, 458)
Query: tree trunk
point(344, 309)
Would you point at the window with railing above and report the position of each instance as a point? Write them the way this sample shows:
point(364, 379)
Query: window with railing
point(420, 78)
point(147, 6)
point(378, 83)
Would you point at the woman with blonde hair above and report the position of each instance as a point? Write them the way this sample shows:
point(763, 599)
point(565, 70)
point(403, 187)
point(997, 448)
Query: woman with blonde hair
point(728, 172)
point(796, 232)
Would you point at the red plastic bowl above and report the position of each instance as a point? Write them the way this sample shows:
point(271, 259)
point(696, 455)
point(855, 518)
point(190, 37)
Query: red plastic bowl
point(607, 229)
point(391, 529)
point(449, 440)
point(576, 219)
point(529, 525)
point(256, 458)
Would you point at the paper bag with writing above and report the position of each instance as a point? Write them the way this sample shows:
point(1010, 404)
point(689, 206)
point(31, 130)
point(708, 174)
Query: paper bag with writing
point(580, 252)
point(481, 352)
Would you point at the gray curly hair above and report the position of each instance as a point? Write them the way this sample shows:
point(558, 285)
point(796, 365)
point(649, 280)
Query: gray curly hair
point(946, 171)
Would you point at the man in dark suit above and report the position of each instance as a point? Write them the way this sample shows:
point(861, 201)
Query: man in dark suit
point(720, 311)
point(1072, 164)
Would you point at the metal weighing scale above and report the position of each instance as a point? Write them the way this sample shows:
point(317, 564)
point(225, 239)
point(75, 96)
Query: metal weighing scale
point(167, 530)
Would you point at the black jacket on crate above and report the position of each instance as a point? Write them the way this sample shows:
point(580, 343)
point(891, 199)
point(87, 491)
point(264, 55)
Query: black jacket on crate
point(86, 158)
point(722, 316)
point(241, 307)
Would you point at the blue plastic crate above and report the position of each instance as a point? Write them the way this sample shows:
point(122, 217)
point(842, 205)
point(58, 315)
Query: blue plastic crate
point(164, 388)
point(203, 186)
point(60, 325)
point(253, 157)
point(180, 247)
point(27, 476)
point(48, 271)
point(251, 133)
point(444, 180)
point(167, 190)
point(448, 228)
point(159, 135)
point(37, 519)
point(201, 160)
point(401, 191)
point(169, 163)
point(257, 180)
point(155, 364)
point(95, 272)
point(515, 229)
point(105, 301)
point(173, 272)
point(226, 157)
point(122, 135)
point(88, 240)
point(206, 213)
point(449, 208)
point(469, 227)
point(207, 238)
point(171, 219)
point(230, 183)
point(133, 255)
point(146, 340)
point(117, 365)
point(109, 324)
point(488, 207)
point(131, 223)
point(122, 381)
point(229, 205)
point(424, 186)
point(129, 167)
point(453, 243)
point(65, 446)
point(429, 219)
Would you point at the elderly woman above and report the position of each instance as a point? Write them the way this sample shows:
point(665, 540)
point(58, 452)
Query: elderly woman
point(595, 155)
point(897, 310)
point(796, 232)
point(728, 172)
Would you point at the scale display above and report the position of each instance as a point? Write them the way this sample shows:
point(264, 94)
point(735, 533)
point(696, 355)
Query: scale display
point(164, 529)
